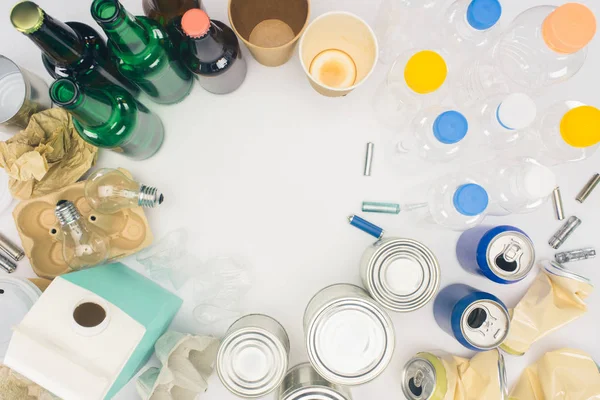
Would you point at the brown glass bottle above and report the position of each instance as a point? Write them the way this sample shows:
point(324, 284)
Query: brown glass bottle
point(163, 11)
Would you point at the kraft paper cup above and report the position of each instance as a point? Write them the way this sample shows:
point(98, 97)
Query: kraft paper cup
point(339, 31)
point(269, 28)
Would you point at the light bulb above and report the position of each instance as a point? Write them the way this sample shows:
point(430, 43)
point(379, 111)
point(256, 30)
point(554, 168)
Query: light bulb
point(109, 190)
point(83, 245)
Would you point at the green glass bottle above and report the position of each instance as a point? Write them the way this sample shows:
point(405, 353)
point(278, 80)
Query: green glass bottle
point(110, 118)
point(143, 53)
point(69, 49)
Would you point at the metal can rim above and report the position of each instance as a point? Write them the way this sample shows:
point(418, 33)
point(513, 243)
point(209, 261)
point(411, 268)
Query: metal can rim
point(500, 274)
point(504, 336)
point(333, 392)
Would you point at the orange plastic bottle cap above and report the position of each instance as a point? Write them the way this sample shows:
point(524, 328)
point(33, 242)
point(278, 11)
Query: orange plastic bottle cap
point(580, 127)
point(425, 72)
point(569, 28)
point(195, 23)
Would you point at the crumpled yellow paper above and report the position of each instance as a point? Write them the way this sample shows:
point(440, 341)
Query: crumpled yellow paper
point(551, 302)
point(481, 377)
point(14, 386)
point(562, 374)
point(46, 156)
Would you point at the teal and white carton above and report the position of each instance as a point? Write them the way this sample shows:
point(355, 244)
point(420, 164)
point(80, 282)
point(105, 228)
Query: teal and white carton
point(91, 331)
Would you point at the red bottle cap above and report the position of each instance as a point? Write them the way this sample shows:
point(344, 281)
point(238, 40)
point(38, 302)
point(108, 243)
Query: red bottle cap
point(195, 23)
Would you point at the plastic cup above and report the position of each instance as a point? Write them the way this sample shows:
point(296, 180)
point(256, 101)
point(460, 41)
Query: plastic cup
point(22, 94)
point(347, 35)
point(269, 28)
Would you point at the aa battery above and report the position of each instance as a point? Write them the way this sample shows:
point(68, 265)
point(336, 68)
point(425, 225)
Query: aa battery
point(369, 159)
point(366, 226)
point(7, 265)
point(384, 208)
point(588, 188)
point(11, 249)
point(564, 232)
point(503, 254)
point(559, 211)
point(575, 255)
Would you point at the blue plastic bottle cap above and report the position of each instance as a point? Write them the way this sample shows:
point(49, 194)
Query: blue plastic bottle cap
point(483, 14)
point(470, 199)
point(450, 127)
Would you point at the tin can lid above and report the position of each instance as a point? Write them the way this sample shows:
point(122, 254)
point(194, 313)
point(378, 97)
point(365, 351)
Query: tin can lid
point(17, 296)
point(422, 379)
point(507, 252)
point(485, 324)
point(350, 341)
point(403, 275)
point(252, 362)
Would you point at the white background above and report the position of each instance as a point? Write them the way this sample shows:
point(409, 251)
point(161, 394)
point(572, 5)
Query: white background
point(272, 171)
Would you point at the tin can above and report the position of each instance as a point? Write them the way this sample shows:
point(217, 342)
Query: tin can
point(400, 274)
point(478, 320)
point(504, 254)
point(253, 357)
point(425, 376)
point(304, 383)
point(350, 338)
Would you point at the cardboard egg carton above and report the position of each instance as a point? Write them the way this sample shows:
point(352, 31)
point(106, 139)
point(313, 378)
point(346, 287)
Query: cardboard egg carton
point(128, 230)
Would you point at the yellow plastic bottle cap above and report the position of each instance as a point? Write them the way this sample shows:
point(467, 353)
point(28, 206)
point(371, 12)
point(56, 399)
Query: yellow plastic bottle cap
point(569, 28)
point(580, 127)
point(425, 72)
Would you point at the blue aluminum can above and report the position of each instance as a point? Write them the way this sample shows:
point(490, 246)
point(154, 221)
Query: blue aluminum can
point(478, 320)
point(504, 254)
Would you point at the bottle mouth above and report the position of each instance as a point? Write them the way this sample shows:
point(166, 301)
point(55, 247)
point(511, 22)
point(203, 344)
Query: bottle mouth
point(105, 11)
point(64, 92)
point(27, 17)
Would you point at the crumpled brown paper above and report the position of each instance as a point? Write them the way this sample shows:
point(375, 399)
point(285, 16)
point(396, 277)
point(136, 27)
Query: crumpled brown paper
point(46, 156)
point(14, 386)
point(562, 374)
point(555, 298)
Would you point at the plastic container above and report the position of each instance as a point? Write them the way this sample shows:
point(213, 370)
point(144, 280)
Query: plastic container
point(399, 25)
point(543, 46)
point(504, 119)
point(458, 202)
point(468, 27)
point(519, 186)
point(416, 79)
point(565, 132)
point(438, 134)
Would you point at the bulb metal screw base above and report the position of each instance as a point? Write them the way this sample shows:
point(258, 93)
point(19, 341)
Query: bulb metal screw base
point(150, 197)
point(66, 212)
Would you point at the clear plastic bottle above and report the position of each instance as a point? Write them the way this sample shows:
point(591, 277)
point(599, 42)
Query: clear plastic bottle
point(458, 202)
point(543, 46)
point(468, 27)
point(437, 134)
point(519, 186)
point(399, 25)
point(416, 79)
point(565, 132)
point(504, 119)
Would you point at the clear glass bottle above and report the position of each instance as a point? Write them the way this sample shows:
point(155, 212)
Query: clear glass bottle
point(504, 119)
point(71, 49)
point(110, 118)
point(212, 52)
point(565, 132)
point(109, 190)
point(84, 246)
point(519, 185)
point(165, 11)
point(143, 53)
point(416, 79)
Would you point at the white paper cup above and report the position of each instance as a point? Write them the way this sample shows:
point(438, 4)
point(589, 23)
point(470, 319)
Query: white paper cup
point(339, 31)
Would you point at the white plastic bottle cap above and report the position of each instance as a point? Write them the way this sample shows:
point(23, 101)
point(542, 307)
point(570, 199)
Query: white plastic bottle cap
point(517, 111)
point(539, 181)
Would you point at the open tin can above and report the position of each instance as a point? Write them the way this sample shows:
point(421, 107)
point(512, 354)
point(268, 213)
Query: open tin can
point(253, 357)
point(400, 274)
point(304, 383)
point(349, 337)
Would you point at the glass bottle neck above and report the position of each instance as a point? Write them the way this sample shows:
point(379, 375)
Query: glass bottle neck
point(92, 108)
point(59, 42)
point(124, 30)
point(207, 48)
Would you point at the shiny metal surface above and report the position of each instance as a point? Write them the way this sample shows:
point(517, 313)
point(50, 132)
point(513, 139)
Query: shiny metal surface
point(564, 232)
point(369, 159)
point(7, 265)
point(302, 382)
point(11, 249)
point(558, 204)
point(511, 255)
point(588, 188)
point(575, 255)
point(485, 324)
point(419, 378)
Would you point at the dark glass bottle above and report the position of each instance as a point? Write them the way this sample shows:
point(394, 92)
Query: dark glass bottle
point(143, 53)
point(164, 11)
point(110, 118)
point(69, 49)
point(211, 50)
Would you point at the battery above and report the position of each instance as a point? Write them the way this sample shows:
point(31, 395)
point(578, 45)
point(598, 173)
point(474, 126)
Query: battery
point(400, 274)
point(304, 383)
point(253, 356)
point(575, 255)
point(350, 339)
point(11, 249)
point(7, 264)
point(504, 254)
point(478, 320)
